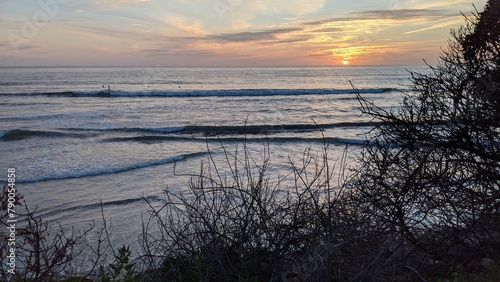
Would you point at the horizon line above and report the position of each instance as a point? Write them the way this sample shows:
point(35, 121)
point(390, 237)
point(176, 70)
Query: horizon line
point(166, 66)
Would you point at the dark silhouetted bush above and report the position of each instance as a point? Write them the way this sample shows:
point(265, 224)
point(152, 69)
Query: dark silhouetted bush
point(430, 175)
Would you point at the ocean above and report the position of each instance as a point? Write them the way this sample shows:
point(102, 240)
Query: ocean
point(84, 137)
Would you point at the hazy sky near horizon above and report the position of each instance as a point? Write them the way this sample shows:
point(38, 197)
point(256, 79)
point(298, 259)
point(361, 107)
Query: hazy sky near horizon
point(226, 32)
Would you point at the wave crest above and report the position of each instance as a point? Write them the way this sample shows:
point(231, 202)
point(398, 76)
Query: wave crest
point(211, 93)
point(113, 170)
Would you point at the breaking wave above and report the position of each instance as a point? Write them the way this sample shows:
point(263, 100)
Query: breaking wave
point(211, 93)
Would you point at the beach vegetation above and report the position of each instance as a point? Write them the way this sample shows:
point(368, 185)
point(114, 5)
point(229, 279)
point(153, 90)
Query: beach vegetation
point(245, 226)
point(122, 269)
point(430, 176)
point(42, 251)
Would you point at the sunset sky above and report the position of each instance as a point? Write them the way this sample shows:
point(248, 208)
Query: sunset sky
point(226, 32)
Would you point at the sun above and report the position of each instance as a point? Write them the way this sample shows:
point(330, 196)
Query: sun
point(345, 62)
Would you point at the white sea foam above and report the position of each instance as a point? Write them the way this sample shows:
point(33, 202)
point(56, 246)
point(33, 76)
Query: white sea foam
point(95, 171)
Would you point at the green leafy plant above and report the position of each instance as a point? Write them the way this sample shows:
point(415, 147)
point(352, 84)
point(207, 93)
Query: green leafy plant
point(122, 269)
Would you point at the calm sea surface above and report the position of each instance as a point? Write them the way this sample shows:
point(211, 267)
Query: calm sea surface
point(81, 136)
